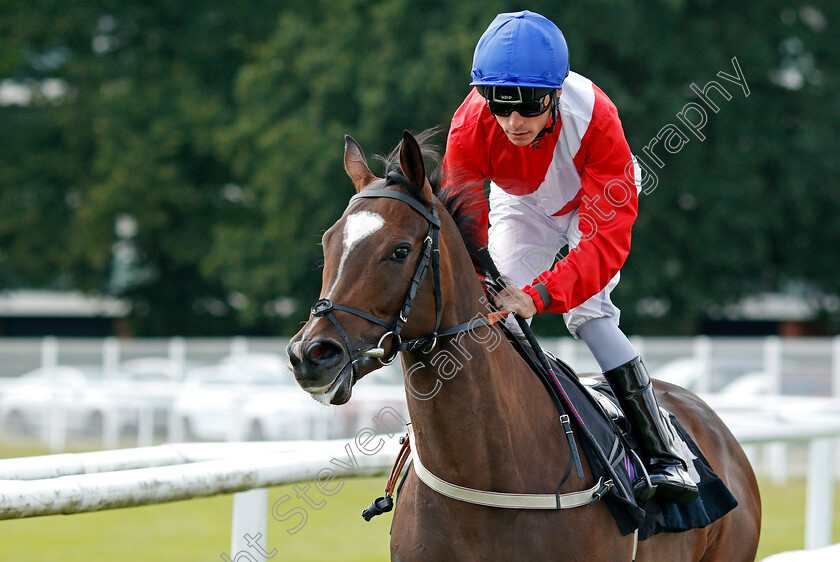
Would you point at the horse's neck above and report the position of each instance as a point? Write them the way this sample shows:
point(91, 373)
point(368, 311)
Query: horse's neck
point(477, 410)
point(473, 401)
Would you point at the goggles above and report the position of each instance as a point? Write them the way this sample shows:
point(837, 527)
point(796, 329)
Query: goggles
point(526, 101)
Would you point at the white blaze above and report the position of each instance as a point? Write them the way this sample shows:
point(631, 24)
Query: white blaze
point(357, 227)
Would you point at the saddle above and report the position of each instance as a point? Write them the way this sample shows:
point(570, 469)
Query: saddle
point(610, 448)
point(599, 409)
point(607, 402)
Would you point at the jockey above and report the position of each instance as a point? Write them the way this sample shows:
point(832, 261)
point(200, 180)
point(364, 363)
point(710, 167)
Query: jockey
point(561, 175)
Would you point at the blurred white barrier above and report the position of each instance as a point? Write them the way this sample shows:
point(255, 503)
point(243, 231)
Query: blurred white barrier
point(75, 483)
point(772, 365)
point(83, 482)
point(784, 419)
point(746, 377)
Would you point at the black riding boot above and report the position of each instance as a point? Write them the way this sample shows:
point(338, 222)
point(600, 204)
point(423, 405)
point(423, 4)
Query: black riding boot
point(667, 470)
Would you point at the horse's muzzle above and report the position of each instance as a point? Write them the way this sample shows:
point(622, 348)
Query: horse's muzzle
point(320, 353)
point(318, 365)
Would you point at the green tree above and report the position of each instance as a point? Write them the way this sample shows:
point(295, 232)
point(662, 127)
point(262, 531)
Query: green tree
point(145, 86)
point(369, 69)
point(213, 133)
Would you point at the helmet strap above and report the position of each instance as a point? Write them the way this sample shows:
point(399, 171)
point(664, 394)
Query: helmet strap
point(555, 112)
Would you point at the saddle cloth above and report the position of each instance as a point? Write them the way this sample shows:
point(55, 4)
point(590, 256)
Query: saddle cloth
point(599, 410)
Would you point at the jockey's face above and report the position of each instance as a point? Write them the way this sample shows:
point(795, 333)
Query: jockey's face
point(522, 131)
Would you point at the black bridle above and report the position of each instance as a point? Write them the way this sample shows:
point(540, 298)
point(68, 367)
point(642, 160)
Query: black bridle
point(430, 256)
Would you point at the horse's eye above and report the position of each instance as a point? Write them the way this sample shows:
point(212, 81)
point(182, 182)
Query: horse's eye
point(401, 253)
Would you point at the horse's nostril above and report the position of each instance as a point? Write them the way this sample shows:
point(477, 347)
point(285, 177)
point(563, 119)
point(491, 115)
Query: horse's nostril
point(292, 353)
point(324, 352)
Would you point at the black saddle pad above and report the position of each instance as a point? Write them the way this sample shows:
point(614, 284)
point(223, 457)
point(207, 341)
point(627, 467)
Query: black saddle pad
point(654, 516)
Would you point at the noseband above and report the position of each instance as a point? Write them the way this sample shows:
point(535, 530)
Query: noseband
point(429, 255)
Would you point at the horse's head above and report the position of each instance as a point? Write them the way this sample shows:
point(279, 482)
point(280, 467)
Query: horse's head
point(375, 260)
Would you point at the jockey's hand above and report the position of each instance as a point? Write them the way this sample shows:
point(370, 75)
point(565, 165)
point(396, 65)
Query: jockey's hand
point(515, 300)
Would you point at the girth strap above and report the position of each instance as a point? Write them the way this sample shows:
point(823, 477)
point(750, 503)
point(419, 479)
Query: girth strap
point(507, 500)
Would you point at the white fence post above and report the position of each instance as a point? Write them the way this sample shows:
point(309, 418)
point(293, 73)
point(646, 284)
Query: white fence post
point(178, 355)
point(773, 364)
point(110, 428)
point(703, 356)
point(249, 520)
point(57, 428)
point(145, 424)
point(835, 366)
point(775, 460)
point(111, 357)
point(238, 346)
point(49, 352)
point(820, 494)
point(638, 342)
point(54, 430)
point(177, 350)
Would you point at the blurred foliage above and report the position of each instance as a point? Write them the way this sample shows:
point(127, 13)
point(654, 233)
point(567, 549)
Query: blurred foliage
point(212, 131)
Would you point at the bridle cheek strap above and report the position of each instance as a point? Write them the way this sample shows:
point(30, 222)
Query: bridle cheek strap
point(430, 254)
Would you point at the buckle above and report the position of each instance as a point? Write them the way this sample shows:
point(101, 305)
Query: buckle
point(601, 491)
point(321, 307)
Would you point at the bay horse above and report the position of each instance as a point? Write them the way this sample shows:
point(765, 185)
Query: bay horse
point(480, 419)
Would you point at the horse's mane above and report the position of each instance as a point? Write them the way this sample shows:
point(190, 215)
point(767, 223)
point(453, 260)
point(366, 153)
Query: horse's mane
point(464, 205)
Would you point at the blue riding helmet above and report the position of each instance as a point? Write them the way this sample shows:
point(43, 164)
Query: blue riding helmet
point(521, 49)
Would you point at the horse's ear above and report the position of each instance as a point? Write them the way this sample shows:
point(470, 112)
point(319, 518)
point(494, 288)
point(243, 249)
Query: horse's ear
point(355, 164)
point(411, 162)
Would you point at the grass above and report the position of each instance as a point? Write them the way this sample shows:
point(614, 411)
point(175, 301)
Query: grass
point(783, 517)
point(200, 529)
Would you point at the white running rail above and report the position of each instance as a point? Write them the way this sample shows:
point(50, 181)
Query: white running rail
point(76, 483)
